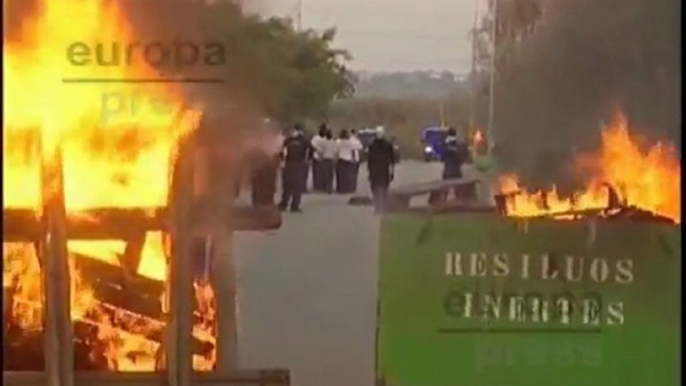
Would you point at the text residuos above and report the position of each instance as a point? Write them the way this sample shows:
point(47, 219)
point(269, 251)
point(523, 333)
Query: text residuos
point(561, 307)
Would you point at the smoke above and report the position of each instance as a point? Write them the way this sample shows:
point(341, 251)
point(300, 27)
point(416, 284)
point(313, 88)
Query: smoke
point(231, 110)
point(586, 59)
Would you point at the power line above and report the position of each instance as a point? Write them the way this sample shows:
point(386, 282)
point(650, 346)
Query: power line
point(394, 35)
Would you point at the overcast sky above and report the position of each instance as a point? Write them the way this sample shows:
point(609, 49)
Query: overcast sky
point(390, 35)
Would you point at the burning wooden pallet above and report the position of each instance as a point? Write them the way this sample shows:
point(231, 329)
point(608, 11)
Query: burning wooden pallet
point(614, 209)
point(125, 302)
point(118, 289)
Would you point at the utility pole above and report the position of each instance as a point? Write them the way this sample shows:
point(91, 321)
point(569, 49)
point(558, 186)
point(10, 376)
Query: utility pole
point(300, 16)
point(491, 93)
point(441, 113)
point(472, 77)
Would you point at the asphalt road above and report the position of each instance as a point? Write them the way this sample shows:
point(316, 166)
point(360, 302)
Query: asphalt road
point(307, 293)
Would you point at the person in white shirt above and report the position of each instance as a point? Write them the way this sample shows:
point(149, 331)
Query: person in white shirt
point(317, 181)
point(357, 144)
point(328, 161)
point(348, 151)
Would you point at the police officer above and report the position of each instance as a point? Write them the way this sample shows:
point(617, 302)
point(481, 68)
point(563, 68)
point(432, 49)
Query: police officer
point(455, 154)
point(297, 153)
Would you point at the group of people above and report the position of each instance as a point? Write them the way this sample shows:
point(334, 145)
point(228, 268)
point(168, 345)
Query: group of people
point(334, 164)
point(333, 160)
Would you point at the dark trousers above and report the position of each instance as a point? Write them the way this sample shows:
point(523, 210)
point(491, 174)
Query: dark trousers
point(317, 181)
point(292, 177)
point(327, 175)
point(451, 171)
point(305, 177)
point(345, 171)
point(263, 182)
point(379, 195)
point(356, 173)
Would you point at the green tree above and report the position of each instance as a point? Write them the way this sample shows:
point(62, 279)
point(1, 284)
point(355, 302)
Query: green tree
point(271, 68)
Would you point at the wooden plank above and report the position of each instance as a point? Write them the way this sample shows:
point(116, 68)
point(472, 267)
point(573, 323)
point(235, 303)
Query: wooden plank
point(453, 207)
point(438, 191)
point(131, 292)
point(157, 335)
point(92, 224)
point(424, 188)
point(59, 364)
point(19, 343)
point(255, 219)
point(131, 259)
point(462, 192)
point(223, 280)
point(238, 377)
point(127, 224)
point(177, 352)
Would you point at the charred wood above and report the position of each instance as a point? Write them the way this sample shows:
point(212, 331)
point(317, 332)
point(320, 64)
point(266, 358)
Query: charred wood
point(113, 286)
point(126, 224)
point(92, 224)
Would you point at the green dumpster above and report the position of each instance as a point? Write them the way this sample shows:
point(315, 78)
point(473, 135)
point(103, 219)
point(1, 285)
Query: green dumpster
point(484, 300)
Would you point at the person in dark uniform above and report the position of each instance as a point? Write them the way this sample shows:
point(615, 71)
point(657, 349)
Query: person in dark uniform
point(297, 153)
point(455, 154)
point(380, 164)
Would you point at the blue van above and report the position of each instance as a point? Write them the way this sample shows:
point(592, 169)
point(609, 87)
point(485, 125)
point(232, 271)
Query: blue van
point(433, 139)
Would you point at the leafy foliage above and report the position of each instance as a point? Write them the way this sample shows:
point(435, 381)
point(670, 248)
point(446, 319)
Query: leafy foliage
point(285, 74)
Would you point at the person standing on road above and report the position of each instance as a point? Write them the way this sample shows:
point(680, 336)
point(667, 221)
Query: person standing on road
point(455, 154)
point(297, 153)
point(317, 180)
point(329, 152)
point(380, 164)
point(357, 144)
point(345, 167)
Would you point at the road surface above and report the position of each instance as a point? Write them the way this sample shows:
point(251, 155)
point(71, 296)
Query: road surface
point(307, 293)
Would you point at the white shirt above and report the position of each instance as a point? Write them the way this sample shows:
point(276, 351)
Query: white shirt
point(316, 143)
point(329, 148)
point(358, 146)
point(348, 149)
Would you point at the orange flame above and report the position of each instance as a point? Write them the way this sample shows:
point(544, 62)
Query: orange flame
point(477, 138)
point(650, 180)
point(122, 161)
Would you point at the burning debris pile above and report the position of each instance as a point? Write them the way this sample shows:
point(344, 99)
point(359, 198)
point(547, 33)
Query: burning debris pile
point(119, 165)
point(622, 182)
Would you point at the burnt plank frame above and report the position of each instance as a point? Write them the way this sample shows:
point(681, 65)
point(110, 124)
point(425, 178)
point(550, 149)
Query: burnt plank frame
point(52, 254)
point(23, 225)
point(240, 377)
point(51, 229)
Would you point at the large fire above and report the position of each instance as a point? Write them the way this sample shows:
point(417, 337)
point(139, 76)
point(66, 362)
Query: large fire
point(119, 162)
point(650, 181)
